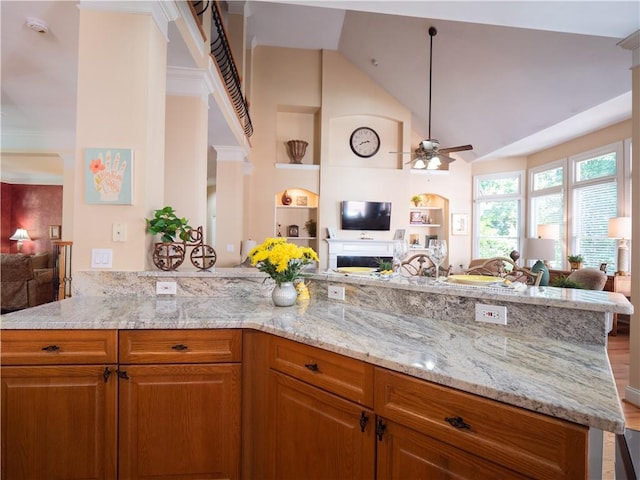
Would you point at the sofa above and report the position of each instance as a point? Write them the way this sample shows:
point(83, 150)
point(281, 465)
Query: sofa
point(26, 280)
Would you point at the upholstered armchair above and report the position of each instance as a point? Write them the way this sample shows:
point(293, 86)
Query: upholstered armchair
point(22, 285)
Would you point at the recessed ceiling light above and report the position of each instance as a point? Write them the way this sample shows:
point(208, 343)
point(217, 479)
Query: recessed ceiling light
point(37, 25)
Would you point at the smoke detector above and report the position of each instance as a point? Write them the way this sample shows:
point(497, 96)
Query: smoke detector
point(37, 25)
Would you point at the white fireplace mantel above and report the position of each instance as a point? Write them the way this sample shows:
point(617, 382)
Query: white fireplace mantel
point(358, 248)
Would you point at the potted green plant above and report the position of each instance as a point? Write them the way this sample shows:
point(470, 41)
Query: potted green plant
point(311, 227)
point(417, 200)
point(565, 282)
point(169, 253)
point(384, 266)
point(575, 261)
point(168, 225)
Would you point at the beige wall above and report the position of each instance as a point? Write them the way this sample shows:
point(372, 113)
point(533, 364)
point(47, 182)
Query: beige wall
point(124, 114)
point(289, 86)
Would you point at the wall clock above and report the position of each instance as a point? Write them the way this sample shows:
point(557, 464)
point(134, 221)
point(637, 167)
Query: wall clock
point(364, 142)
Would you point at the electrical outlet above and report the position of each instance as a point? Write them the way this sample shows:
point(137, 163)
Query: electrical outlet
point(491, 314)
point(335, 292)
point(166, 288)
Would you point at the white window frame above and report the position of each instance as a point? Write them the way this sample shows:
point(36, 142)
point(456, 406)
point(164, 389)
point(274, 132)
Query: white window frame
point(520, 196)
point(532, 222)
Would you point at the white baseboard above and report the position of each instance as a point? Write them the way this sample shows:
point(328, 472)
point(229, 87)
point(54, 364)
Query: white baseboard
point(632, 395)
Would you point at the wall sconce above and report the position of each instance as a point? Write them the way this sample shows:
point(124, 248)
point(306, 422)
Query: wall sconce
point(620, 228)
point(20, 235)
point(541, 249)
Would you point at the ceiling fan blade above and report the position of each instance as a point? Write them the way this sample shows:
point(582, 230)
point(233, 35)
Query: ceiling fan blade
point(460, 148)
point(445, 158)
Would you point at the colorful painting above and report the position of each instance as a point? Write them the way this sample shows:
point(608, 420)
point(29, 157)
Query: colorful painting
point(108, 176)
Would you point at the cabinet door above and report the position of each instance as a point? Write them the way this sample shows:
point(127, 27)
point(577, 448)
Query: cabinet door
point(316, 435)
point(179, 421)
point(58, 423)
point(405, 454)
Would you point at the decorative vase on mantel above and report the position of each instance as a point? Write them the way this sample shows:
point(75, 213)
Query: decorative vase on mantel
point(284, 295)
point(297, 149)
point(286, 198)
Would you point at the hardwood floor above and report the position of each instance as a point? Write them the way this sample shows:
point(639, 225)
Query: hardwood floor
point(618, 349)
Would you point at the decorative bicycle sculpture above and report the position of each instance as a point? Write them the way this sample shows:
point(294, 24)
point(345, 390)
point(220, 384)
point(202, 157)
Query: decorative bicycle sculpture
point(169, 256)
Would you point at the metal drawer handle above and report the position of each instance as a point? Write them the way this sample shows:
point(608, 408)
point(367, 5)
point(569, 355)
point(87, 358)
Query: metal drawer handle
point(458, 422)
point(312, 366)
point(180, 347)
point(51, 348)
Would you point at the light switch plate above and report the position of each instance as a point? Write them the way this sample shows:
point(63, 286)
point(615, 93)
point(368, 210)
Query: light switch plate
point(101, 258)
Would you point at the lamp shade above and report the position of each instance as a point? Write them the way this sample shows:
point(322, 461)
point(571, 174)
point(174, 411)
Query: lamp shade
point(20, 234)
point(620, 227)
point(541, 248)
point(549, 230)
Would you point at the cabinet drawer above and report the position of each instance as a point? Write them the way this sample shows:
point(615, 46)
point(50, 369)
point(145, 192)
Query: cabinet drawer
point(180, 346)
point(58, 347)
point(531, 443)
point(344, 376)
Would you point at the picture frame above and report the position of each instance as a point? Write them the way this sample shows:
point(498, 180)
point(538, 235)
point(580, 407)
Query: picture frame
point(293, 231)
point(55, 232)
point(427, 238)
point(399, 234)
point(331, 232)
point(415, 218)
point(301, 201)
point(459, 224)
point(108, 176)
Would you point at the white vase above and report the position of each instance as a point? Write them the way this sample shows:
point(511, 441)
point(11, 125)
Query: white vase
point(284, 295)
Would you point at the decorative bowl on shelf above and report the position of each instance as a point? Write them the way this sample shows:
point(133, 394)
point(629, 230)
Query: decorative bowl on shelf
point(297, 149)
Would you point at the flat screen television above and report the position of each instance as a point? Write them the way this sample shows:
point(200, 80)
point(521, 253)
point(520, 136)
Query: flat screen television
point(358, 215)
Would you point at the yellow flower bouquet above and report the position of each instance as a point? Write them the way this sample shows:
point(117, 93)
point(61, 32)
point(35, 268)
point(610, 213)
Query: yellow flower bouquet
point(281, 260)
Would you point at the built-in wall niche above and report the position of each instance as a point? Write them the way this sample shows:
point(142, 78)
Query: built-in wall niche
point(297, 123)
point(295, 216)
point(428, 214)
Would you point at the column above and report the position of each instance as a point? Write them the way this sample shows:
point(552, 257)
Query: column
point(632, 391)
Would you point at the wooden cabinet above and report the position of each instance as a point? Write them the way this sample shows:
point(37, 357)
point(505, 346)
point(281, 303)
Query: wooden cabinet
point(179, 417)
point(471, 436)
point(169, 409)
point(321, 425)
point(59, 402)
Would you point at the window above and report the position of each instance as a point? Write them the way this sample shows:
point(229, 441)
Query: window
point(595, 197)
point(580, 194)
point(498, 210)
point(547, 205)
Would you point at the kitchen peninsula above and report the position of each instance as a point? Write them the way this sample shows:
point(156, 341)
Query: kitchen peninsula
point(548, 364)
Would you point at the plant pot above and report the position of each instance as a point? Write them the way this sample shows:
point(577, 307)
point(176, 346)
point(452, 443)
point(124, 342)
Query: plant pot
point(284, 295)
point(575, 265)
point(168, 256)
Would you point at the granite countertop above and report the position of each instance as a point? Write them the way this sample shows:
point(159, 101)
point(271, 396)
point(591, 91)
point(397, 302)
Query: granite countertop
point(565, 380)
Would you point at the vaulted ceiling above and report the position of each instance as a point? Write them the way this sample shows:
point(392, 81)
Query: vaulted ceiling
point(509, 77)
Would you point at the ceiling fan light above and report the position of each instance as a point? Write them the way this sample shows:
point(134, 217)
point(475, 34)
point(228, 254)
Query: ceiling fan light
point(434, 163)
point(419, 164)
point(430, 144)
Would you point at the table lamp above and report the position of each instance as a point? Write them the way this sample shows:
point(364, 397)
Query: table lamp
point(21, 235)
point(620, 228)
point(541, 250)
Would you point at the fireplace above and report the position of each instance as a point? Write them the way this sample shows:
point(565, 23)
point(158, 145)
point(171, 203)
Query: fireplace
point(358, 253)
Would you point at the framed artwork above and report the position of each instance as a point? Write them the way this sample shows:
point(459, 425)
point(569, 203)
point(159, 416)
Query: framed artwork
point(301, 201)
point(108, 176)
point(459, 224)
point(415, 218)
point(429, 237)
point(399, 234)
point(55, 232)
point(293, 231)
point(331, 232)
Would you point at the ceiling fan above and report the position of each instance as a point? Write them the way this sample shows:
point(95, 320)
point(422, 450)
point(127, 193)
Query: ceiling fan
point(429, 155)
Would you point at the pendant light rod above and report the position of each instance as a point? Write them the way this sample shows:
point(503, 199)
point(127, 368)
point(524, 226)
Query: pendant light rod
point(432, 33)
